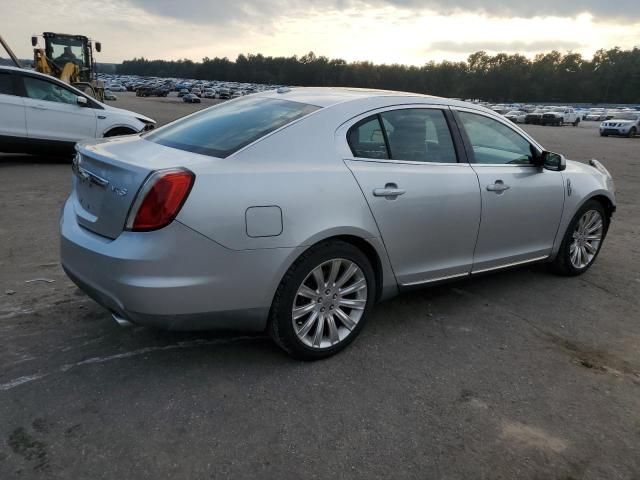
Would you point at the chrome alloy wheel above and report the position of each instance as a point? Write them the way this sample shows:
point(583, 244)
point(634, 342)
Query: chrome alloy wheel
point(586, 239)
point(329, 303)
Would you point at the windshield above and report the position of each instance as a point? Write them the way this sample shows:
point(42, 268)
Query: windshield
point(63, 50)
point(225, 129)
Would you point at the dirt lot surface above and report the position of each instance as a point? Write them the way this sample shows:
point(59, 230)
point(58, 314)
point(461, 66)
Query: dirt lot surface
point(516, 375)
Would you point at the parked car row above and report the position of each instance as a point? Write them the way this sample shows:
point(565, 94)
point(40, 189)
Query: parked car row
point(154, 86)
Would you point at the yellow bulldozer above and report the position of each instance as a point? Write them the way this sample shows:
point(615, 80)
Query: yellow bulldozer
point(70, 59)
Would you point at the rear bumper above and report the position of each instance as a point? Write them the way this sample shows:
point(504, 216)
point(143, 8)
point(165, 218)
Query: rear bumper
point(173, 278)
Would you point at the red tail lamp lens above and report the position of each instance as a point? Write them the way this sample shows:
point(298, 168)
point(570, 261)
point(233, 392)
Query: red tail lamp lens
point(162, 197)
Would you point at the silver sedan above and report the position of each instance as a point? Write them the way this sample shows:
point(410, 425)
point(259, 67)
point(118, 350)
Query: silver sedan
point(295, 211)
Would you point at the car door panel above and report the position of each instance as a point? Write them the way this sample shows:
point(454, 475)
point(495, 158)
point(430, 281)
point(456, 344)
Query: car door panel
point(425, 203)
point(430, 230)
point(12, 116)
point(521, 203)
point(12, 111)
point(519, 223)
point(56, 120)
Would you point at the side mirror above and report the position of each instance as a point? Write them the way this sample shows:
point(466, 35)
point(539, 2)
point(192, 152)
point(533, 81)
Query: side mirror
point(82, 101)
point(34, 41)
point(553, 161)
point(98, 47)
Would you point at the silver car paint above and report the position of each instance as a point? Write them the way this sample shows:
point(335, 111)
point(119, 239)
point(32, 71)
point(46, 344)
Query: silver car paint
point(204, 270)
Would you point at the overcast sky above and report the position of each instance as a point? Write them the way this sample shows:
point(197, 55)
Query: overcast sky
point(383, 31)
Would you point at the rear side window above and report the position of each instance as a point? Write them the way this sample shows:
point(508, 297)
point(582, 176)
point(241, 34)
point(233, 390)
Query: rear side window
point(224, 129)
point(367, 140)
point(412, 134)
point(419, 135)
point(48, 91)
point(6, 84)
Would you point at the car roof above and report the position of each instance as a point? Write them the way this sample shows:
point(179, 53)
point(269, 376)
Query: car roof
point(329, 96)
point(25, 70)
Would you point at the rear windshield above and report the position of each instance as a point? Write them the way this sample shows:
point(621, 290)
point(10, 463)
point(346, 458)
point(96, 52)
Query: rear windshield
point(224, 129)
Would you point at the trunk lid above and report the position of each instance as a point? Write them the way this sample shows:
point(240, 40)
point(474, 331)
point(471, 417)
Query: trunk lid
point(109, 173)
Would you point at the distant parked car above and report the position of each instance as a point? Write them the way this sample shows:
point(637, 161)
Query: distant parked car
point(560, 116)
point(117, 87)
point(625, 124)
point(534, 118)
point(516, 116)
point(109, 95)
point(183, 92)
point(596, 115)
point(196, 91)
point(191, 98)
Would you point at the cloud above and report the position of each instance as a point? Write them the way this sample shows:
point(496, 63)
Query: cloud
point(266, 11)
point(506, 46)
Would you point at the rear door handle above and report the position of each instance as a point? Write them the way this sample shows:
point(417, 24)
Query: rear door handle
point(39, 107)
point(498, 187)
point(390, 191)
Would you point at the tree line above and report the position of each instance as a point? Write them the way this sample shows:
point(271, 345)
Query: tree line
point(610, 76)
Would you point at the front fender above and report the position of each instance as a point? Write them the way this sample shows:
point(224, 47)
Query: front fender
point(581, 183)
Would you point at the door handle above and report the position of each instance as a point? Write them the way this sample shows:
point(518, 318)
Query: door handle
point(498, 187)
point(39, 107)
point(390, 191)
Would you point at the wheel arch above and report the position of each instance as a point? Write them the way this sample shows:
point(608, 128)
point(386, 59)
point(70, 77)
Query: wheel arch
point(109, 132)
point(372, 248)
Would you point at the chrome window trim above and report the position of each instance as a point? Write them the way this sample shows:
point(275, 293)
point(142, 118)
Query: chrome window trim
point(406, 162)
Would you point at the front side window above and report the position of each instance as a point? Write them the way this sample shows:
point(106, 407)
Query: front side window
point(495, 143)
point(48, 91)
point(367, 140)
point(419, 135)
point(6, 84)
point(225, 129)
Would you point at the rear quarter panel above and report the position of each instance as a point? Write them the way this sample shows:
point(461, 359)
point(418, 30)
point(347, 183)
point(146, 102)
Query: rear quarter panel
point(295, 168)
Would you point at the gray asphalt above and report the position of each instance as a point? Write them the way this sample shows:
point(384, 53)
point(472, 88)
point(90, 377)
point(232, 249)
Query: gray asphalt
point(516, 375)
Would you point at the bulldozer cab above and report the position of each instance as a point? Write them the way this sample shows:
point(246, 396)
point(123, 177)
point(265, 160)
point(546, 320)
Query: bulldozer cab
point(63, 49)
point(70, 59)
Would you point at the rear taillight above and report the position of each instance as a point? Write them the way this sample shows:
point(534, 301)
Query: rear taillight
point(160, 199)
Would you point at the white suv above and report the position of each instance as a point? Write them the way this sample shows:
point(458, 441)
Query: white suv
point(40, 114)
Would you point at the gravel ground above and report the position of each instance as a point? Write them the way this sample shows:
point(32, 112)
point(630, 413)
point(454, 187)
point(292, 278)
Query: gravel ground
point(515, 375)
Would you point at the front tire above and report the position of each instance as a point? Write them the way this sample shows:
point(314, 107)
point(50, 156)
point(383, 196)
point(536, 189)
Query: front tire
point(323, 301)
point(632, 132)
point(582, 240)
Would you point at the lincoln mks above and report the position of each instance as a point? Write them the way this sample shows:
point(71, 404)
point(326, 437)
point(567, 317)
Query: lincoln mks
point(294, 211)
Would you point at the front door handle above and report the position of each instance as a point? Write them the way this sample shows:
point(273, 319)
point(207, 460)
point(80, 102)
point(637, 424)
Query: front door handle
point(498, 187)
point(39, 107)
point(390, 191)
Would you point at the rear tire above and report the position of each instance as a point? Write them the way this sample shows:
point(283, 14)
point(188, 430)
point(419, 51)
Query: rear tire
point(566, 262)
point(632, 132)
point(576, 122)
point(324, 324)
